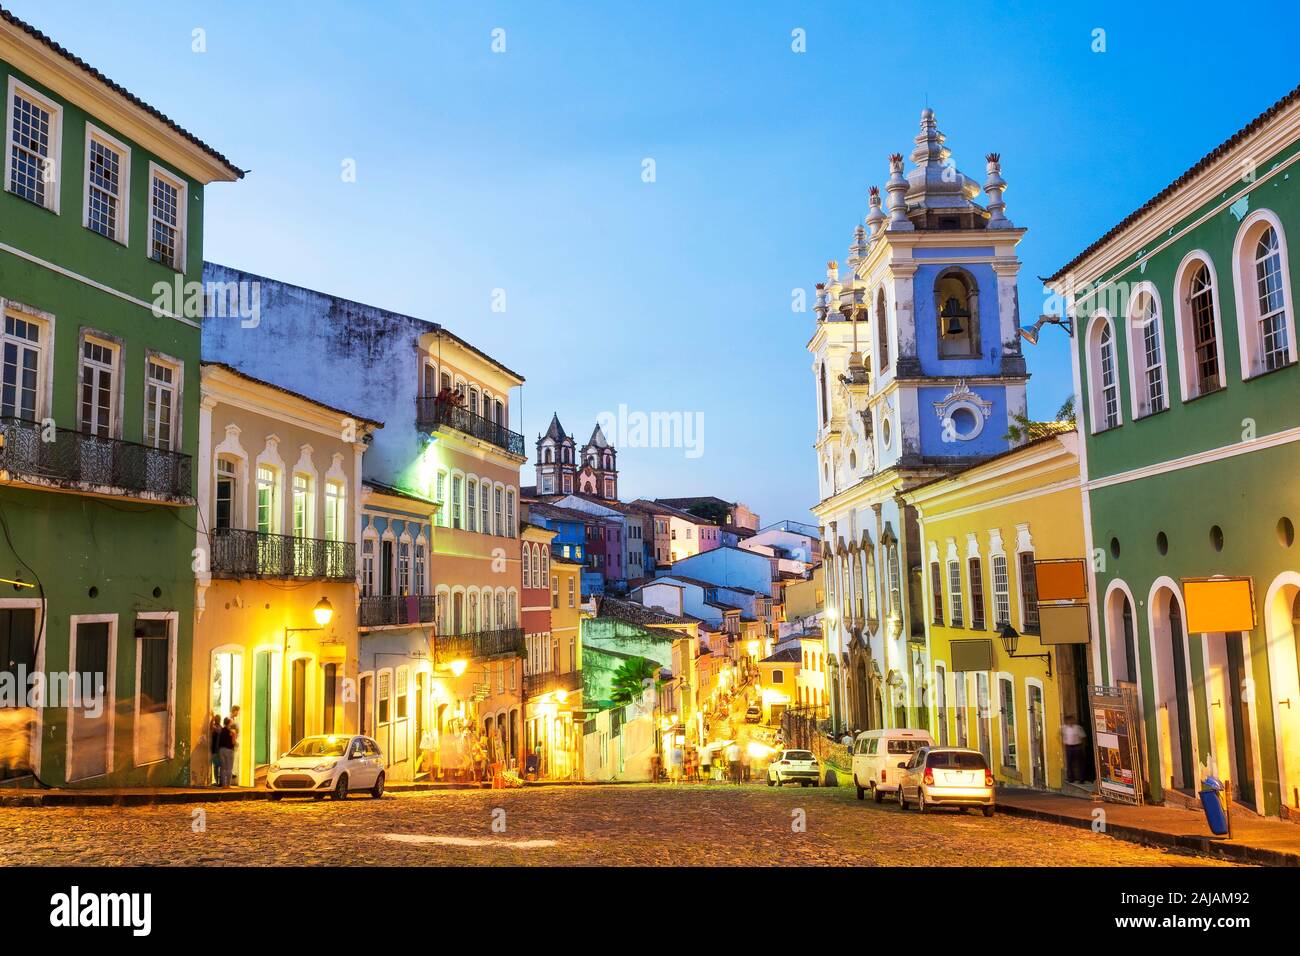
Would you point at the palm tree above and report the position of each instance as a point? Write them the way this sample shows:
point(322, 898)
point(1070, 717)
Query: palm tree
point(630, 678)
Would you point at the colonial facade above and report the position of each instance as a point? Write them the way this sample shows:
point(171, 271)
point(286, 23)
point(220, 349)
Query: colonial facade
point(917, 371)
point(101, 207)
point(447, 441)
point(275, 634)
point(1184, 334)
point(400, 691)
point(1003, 672)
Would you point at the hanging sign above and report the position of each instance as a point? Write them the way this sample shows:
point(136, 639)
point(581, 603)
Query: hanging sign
point(1063, 624)
point(1061, 579)
point(1219, 604)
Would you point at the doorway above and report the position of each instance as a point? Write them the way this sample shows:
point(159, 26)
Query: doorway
point(262, 699)
point(982, 716)
point(1183, 769)
point(297, 701)
point(226, 691)
point(18, 653)
point(1037, 738)
point(1243, 746)
point(363, 705)
point(91, 717)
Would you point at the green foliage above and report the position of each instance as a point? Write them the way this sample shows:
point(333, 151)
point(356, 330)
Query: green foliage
point(629, 679)
point(1022, 429)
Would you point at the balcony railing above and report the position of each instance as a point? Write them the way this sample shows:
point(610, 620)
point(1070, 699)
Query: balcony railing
point(548, 681)
point(254, 554)
point(395, 609)
point(432, 413)
point(73, 459)
point(509, 640)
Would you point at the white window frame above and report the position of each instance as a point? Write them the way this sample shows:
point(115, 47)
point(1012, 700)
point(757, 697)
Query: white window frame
point(1009, 744)
point(52, 186)
point(336, 511)
point(123, 231)
point(182, 217)
point(1245, 289)
point(1189, 383)
point(44, 348)
point(115, 388)
point(1140, 404)
point(1097, 418)
point(178, 371)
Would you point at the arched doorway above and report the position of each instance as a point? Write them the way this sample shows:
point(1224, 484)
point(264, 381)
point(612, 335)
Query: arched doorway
point(1282, 629)
point(1172, 694)
point(1121, 638)
point(860, 718)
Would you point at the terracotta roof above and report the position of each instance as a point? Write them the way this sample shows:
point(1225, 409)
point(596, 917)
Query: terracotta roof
point(635, 613)
point(791, 655)
point(396, 492)
point(1199, 167)
point(120, 90)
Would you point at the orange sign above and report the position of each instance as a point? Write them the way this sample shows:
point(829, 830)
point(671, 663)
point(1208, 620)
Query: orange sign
point(1061, 580)
point(1219, 604)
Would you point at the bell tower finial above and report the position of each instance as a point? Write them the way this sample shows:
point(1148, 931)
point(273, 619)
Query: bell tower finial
point(897, 186)
point(994, 187)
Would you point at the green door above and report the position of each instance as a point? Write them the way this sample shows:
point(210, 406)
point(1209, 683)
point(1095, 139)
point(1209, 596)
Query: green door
point(262, 708)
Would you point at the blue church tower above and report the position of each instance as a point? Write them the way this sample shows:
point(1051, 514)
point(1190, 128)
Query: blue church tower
point(918, 372)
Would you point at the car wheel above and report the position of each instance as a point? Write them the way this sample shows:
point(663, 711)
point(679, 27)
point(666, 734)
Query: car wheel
point(988, 811)
point(920, 801)
point(803, 783)
point(902, 800)
point(277, 796)
point(770, 781)
point(876, 794)
point(862, 791)
point(340, 791)
point(377, 790)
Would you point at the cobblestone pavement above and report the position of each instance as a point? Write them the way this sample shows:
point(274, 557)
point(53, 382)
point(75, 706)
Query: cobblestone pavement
point(630, 824)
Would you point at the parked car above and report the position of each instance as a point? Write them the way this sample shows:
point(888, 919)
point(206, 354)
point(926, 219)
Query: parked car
point(333, 765)
point(794, 766)
point(753, 714)
point(946, 777)
point(876, 754)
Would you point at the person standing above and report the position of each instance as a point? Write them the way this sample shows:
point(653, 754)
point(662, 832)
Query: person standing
point(226, 752)
point(1073, 736)
point(214, 746)
point(745, 760)
point(733, 761)
point(706, 763)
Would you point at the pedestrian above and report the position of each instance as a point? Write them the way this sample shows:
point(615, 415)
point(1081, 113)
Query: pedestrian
point(1073, 736)
point(214, 745)
point(678, 764)
point(226, 751)
point(234, 730)
point(745, 760)
point(847, 740)
point(733, 761)
point(706, 763)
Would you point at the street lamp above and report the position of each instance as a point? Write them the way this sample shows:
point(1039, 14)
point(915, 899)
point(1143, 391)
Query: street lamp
point(323, 612)
point(1011, 640)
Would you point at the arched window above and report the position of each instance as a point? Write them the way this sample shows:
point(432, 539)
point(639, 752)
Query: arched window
point(1147, 392)
point(473, 399)
point(822, 386)
point(956, 304)
point(528, 566)
point(1265, 319)
point(882, 333)
point(1103, 375)
point(1196, 313)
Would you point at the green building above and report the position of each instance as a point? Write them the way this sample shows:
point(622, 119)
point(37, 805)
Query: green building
point(1184, 349)
point(101, 225)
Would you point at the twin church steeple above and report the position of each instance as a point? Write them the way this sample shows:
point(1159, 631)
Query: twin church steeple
point(564, 469)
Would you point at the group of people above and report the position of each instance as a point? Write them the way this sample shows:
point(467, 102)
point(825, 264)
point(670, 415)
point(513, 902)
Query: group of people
point(459, 754)
point(223, 739)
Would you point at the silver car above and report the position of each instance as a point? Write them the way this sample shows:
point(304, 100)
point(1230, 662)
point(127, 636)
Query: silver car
point(331, 765)
point(946, 777)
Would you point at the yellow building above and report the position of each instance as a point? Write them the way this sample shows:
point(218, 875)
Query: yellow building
point(982, 529)
point(275, 636)
point(805, 599)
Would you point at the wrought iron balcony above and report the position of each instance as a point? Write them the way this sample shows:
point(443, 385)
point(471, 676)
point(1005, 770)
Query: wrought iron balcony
point(544, 683)
point(468, 646)
point(62, 457)
point(254, 554)
point(395, 609)
point(434, 413)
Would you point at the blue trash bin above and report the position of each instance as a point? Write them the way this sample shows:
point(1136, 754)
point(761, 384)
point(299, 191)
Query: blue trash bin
point(1211, 791)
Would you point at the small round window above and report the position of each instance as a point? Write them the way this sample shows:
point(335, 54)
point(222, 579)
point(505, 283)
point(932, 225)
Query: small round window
point(964, 422)
point(885, 432)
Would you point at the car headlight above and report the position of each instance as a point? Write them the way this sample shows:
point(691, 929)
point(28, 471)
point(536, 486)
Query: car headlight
point(275, 768)
point(327, 765)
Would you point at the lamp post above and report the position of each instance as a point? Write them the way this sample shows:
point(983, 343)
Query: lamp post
point(1011, 640)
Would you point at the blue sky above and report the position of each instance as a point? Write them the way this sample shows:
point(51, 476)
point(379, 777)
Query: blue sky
point(522, 171)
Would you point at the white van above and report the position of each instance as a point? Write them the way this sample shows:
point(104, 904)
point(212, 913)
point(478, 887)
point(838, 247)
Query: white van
point(877, 754)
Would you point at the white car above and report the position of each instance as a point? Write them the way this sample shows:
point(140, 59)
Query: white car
point(946, 777)
point(794, 766)
point(328, 764)
point(876, 755)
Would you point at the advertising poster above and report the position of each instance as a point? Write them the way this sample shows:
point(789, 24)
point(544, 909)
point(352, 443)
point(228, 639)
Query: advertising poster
point(1116, 748)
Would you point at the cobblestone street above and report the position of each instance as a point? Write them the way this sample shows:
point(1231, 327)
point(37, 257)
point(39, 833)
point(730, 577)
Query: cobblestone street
point(621, 825)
